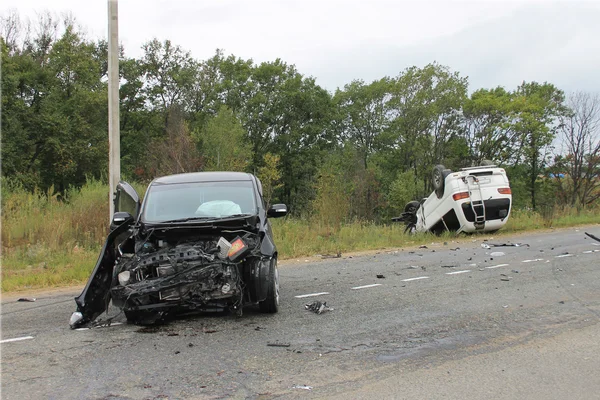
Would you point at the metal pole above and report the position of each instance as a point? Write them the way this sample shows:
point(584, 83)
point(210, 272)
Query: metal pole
point(114, 137)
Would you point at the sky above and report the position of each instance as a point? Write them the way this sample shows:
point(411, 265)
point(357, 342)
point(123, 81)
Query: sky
point(493, 43)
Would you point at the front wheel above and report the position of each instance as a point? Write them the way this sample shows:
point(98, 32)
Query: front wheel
point(270, 305)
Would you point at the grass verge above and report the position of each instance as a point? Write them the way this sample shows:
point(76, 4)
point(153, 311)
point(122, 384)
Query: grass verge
point(50, 243)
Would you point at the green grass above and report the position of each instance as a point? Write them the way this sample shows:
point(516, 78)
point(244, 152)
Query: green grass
point(47, 242)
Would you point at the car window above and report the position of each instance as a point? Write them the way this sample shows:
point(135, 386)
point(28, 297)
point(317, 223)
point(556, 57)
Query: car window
point(202, 199)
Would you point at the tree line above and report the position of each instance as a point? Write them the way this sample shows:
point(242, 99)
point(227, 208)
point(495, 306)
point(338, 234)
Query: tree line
point(360, 152)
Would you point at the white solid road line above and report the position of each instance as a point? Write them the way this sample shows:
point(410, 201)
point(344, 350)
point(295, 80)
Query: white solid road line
point(311, 295)
point(458, 272)
point(537, 259)
point(415, 279)
point(498, 266)
point(366, 286)
point(18, 339)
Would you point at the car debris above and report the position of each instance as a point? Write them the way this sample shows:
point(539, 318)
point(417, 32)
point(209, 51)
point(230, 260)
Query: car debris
point(318, 307)
point(497, 254)
point(593, 237)
point(27, 299)
point(199, 242)
point(473, 199)
point(278, 344)
point(305, 387)
point(380, 276)
point(337, 255)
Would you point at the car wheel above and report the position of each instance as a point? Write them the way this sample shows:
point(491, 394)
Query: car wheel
point(270, 305)
point(411, 207)
point(438, 179)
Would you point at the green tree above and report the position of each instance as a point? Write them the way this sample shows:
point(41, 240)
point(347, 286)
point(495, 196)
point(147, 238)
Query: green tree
point(223, 143)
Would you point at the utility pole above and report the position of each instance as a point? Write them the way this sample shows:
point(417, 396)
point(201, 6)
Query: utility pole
point(114, 136)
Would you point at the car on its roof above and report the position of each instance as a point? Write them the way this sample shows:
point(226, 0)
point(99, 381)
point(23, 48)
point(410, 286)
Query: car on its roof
point(474, 199)
point(199, 242)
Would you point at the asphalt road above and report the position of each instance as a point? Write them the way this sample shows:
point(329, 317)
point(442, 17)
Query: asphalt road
point(451, 321)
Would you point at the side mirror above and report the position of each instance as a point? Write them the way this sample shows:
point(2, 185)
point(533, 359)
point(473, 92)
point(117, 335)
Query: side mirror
point(119, 218)
point(277, 210)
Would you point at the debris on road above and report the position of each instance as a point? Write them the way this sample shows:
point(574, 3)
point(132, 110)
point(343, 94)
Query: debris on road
point(515, 271)
point(380, 276)
point(422, 246)
point(485, 246)
point(305, 387)
point(337, 255)
point(412, 267)
point(504, 277)
point(28, 299)
point(508, 244)
point(318, 307)
point(448, 266)
point(593, 237)
point(497, 254)
point(278, 344)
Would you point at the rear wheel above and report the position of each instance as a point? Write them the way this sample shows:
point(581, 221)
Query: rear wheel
point(270, 305)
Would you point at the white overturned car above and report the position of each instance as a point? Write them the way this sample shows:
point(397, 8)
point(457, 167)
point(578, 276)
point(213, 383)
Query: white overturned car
point(473, 199)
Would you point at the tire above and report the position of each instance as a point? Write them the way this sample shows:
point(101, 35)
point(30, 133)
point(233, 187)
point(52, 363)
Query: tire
point(438, 179)
point(411, 207)
point(270, 305)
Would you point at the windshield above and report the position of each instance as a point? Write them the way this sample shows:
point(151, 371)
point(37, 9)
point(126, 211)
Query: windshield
point(199, 200)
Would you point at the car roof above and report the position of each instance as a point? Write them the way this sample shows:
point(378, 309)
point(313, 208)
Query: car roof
point(221, 176)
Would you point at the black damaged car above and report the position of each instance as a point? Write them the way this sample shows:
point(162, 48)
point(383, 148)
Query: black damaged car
point(200, 241)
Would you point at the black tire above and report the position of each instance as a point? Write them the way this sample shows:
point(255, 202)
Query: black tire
point(411, 207)
point(270, 305)
point(438, 179)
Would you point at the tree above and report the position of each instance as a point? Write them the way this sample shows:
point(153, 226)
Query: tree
point(223, 143)
point(537, 109)
point(580, 134)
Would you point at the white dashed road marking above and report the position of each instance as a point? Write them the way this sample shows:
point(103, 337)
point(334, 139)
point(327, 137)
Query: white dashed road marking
point(311, 295)
point(458, 272)
point(366, 286)
point(498, 266)
point(18, 339)
point(415, 279)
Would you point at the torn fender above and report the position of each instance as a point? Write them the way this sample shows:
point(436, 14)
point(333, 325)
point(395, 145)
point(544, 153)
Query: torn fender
point(94, 298)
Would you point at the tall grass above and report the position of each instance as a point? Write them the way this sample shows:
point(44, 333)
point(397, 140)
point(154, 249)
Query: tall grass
point(48, 241)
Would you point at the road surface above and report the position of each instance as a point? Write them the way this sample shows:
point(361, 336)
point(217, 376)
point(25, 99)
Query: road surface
point(454, 320)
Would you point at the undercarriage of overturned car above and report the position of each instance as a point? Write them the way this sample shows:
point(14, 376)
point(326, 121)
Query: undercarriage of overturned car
point(153, 269)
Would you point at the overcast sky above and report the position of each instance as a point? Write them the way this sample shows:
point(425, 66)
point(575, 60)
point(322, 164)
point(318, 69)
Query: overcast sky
point(492, 42)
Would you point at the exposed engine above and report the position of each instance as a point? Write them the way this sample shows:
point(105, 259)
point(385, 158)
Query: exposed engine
point(195, 274)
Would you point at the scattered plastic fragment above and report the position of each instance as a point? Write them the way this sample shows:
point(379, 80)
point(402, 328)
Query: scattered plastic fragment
point(497, 254)
point(305, 387)
point(485, 246)
point(448, 266)
point(29, 299)
point(380, 276)
point(422, 246)
point(412, 267)
point(508, 244)
point(515, 271)
point(278, 344)
point(318, 307)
